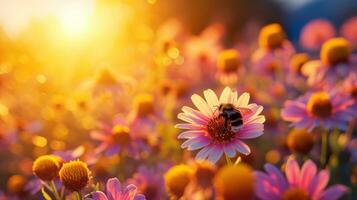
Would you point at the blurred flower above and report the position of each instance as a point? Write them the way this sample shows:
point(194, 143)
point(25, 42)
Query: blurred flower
point(229, 64)
point(207, 129)
point(273, 56)
point(116, 192)
point(16, 185)
point(336, 62)
point(149, 182)
point(301, 141)
point(69, 155)
point(235, 182)
point(349, 30)
point(299, 184)
point(75, 175)
point(204, 173)
point(47, 167)
point(319, 109)
point(315, 33)
point(177, 178)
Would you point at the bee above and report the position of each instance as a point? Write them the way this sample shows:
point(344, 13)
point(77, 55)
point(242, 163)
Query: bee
point(232, 115)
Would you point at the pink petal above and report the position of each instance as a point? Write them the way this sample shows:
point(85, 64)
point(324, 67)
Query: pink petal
point(99, 196)
point(308, 172)
point(251, 131)
point(190, 134)
point(203, 154)
point(130, 192)
point(191, 119)
point(333, 193)
point(242, 147)
point(202, 105)
point(215, 154)
point(229, 150)
point(199, 143)
point(292, 172)
point(189, 126)
point(318, 183)
point(114, 188)
point(276, 175)
point(195, 113)
point(96, 135)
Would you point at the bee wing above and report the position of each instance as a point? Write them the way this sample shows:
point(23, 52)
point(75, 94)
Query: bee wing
point(245, 111)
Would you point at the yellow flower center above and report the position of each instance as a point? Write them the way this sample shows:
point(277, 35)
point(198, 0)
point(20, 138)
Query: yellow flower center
point(106, 77)
point(300, 141)
point(296, 194)
point(47, 167)
point(75, 175)
point(334, 51)
point(271, 36)
point(228, 61)
point(144, 104)
point(177, 179)
point(320, 105)
point(16, 185)
point(220, 130)
point(235, 182)
point(204, 173)
point(297, 61)
point(120, 135)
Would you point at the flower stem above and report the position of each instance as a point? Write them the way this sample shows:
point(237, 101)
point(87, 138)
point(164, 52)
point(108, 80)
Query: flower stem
point(79, 195)
point(323, 148)
point(239, 159)
point(229, 162)
point(54, 190)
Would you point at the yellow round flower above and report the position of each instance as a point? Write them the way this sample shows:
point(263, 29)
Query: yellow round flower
point(271, 36)
point(75, 175)
point(235, 182)
point(320, 105)
point(47, 167)
point(177, 179)
point(335, 50)
point(228, 61)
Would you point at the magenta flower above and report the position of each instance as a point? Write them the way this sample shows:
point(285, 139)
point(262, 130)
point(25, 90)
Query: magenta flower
point(319, 109)
point(116, 192)
point(210, 132)
point(302, 184)
point(315, 33)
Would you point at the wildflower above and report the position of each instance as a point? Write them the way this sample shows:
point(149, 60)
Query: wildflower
point(204, 173)
point(301, 141)
point(144, 105)
point(349, 30)
point(299, 184)
point(297, 61)
point(273, 55)
point(75, 175)
point(209, 131)
point(315, 33)
point(116, 192)
point(228, 64)
point(16, 185)
point(235, 182)
point(325, 109)
point(47, 167)
point(336, 62)
point(177, 179)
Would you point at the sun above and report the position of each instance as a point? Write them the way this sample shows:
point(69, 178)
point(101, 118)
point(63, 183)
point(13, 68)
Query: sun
point(74, 17)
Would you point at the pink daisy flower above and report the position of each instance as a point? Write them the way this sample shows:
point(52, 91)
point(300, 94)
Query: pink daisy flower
point(299, 184)
point(349, 30)
point(207, 129)
point(325, 109)
point(315, 33)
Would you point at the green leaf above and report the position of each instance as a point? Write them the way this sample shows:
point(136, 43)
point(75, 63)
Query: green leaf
point(45, 194)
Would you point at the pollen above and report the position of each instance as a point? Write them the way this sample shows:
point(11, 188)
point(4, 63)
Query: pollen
point(120, 134)
point(297, 61)
point(335, 51)
point(299, 140)
point(144, 104)
point(228, 61)
point(220, 130)
point(235, 182)
point(296, 194)
point(47, 167)
point(319, 105)
point(177, 178)
point(75, 175)
point(271, 36)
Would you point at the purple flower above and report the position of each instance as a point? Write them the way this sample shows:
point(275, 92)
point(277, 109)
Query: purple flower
point(319, 109)
point(304, 183)
point(208, 130)
point(116, 192)
point(70, 154)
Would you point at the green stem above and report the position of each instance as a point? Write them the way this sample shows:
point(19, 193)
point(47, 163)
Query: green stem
point(54, 190)
point(229, 162)
point(323, 148)
point(79, 195)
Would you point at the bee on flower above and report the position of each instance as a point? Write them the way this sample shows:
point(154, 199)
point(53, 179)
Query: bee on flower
point(220, 125)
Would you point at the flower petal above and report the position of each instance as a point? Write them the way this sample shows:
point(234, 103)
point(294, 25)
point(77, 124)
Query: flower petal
point(215, 154)
point(292, 172)
point(225, 96)
point(243, 100)
point(211, 99)
point(334, 192)
point(190, 134)
point(202, 105)
point(308, 172)
point(99, 196)
point(242, 147)
point(113, 188)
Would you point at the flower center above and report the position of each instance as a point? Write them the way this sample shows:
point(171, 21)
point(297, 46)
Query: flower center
point(320, 105)
point(295, 194)
point(354, 91)
point(228, 61)
point(271, 36)
point(144, 104)
point(300, 141)
point(220, 130)
point(120, 135)
point(334, 51)
point(298, 61)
